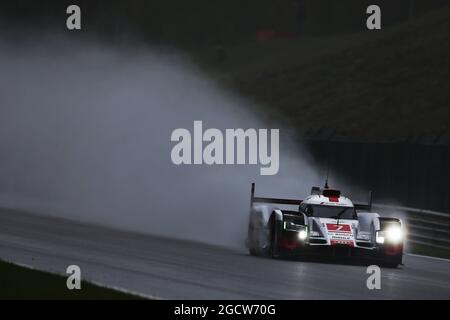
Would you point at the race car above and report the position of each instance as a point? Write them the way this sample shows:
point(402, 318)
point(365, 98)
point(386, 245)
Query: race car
point(325, 223)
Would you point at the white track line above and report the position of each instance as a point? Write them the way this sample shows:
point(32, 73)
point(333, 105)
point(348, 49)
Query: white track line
point(428, 257)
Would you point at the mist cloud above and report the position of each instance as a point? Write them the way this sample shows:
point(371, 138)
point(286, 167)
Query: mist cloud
point(85, 134)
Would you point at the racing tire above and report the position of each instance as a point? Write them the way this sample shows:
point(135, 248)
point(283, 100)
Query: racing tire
point(274, 251)
point(392, 262)
point(253, 252)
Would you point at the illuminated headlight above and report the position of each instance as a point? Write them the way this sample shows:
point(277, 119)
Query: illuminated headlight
point(394, 234)
point(303, 234)
point(380, 237)
point(302, 230)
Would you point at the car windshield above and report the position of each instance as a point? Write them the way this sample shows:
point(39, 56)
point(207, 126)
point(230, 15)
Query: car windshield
point(322, 211)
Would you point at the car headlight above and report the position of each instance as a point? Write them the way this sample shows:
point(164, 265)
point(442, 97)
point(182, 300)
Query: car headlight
point(392, 234)
point(303, 234)
point(292, 226)
point(380, 237)
point(302, 230)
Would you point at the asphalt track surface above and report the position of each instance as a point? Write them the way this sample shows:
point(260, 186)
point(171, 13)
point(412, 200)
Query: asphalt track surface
point(172, 269)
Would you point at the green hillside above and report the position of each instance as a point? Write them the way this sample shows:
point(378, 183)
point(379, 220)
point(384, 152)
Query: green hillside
point(386, 85)
point(322, 72)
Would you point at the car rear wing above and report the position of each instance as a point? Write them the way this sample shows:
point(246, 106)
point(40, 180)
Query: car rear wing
point(358, 206)
point(364, 206)
point(254, 199)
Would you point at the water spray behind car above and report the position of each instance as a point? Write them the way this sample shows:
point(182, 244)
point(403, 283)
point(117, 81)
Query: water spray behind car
point(85, 134)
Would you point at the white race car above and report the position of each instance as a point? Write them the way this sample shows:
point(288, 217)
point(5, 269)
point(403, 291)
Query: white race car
point(325, 223)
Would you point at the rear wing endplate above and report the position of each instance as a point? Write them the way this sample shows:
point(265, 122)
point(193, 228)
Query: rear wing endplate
point(365, 206)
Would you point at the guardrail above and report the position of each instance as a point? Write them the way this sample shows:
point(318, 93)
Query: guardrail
point(425, 227)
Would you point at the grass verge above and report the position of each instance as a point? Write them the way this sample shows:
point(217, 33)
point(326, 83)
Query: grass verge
point(428, 251)
point(18, 282)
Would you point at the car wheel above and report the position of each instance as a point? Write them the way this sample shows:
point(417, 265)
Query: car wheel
point(274, 249)
point(392, 261)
